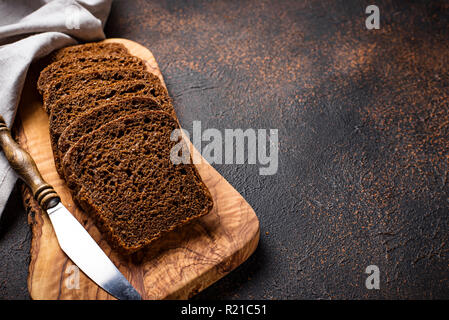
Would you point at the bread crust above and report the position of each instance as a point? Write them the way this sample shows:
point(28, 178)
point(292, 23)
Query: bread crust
point(71, 65)
point(92, 49)
point(77, 83)
point(67, 110)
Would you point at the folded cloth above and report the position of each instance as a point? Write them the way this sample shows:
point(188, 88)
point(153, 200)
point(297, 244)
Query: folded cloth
point(29, 30)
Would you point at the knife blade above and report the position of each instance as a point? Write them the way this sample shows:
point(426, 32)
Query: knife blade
point(73, 239)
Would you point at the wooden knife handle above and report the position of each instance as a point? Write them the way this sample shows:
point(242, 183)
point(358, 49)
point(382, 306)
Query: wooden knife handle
point(26, 168)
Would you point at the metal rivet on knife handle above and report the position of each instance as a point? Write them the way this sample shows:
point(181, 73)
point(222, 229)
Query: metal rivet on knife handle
point(26, 168)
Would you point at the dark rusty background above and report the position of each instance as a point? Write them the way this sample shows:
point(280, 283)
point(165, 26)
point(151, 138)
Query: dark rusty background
point(363, 119)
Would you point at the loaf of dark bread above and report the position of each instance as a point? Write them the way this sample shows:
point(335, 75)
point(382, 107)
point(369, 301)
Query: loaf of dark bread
point(80, 82)
point(122, 175)
point(71, 65)
point(94, 119)
point(68, 109)
point(95, 49)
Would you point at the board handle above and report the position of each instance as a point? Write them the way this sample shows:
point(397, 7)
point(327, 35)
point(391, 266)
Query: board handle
point(24, 165)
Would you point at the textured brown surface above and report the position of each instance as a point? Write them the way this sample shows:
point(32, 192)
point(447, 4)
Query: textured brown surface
point(72, 65)
point(87, 80)
point(95, 118)
point(122, 175)
point(360, 114)
point(363, 176)
point(68, 109)
point(87, 49)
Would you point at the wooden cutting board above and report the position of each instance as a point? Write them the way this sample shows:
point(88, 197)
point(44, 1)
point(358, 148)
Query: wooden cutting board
point(176, 267)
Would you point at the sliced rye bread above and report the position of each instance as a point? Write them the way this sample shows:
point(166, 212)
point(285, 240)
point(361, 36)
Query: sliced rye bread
point(71, 65)
point(68, 109)
point(93, 48)
point(95, 118)
point(78, 83)
point(122, 175)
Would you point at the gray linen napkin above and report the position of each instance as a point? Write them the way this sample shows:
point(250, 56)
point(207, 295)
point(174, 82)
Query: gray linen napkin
point(29, 30)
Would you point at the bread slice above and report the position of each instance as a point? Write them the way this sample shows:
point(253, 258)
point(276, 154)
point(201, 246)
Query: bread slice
point(76, 64)
point(93, 48)
point(80, 82)
point(68, 109)
point(122, 175)
point(95, 118)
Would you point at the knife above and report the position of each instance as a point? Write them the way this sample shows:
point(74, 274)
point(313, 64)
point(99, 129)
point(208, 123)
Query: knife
point(73, 239)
